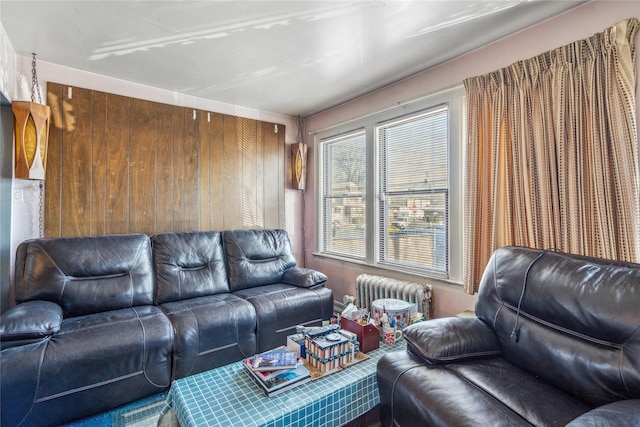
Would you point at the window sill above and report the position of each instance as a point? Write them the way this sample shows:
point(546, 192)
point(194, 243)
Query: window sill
point(382, 268)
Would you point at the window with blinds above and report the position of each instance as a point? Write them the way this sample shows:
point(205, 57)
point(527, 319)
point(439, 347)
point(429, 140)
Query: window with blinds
point(413, 194)
point(343, 203)
point(389, 188)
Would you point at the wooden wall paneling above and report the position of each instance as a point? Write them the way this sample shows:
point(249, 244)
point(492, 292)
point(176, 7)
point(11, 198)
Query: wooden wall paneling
point(117, 190)
point(271, 175)
point(232, 174)
point(142, 166)
point(282, 168)
point(260, 196)
point(248, 136)
point(191, 202)
point(179, 117)
point(121, 165)
point(53, 174)
point(216, 171)
point(204, 194)
point(76, 165)
point(53, 177)
point(98, 162)
point(165, 166)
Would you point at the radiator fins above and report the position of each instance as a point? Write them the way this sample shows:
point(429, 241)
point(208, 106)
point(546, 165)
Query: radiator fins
point(371, 287)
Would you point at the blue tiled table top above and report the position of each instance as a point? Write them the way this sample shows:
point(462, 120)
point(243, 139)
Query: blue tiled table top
point(227, 396)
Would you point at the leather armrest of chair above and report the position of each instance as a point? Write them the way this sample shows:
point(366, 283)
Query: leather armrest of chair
point(624, 413)
point(29, 322)
point(303, 277)
point(451, 339)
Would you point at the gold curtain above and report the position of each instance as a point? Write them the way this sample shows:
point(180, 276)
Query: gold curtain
point(552, 153)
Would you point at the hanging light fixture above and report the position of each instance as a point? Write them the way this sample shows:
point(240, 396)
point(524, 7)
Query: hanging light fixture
point(31, 132)
point(299, 160)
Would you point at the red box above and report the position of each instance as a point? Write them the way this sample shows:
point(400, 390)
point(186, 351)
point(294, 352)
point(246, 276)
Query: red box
point(367, 335)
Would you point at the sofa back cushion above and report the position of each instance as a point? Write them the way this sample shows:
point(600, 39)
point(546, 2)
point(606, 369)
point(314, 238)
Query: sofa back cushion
point(86, 275)
point(188, 265)
point(578, 322)
point(257, 257)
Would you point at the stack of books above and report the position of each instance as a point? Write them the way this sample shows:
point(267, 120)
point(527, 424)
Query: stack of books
point(277, 370)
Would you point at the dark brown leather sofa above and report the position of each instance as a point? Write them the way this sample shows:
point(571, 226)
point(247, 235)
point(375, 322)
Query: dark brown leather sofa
point(556, 342)
point(103, 321)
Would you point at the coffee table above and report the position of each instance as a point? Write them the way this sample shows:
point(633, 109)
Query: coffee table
point(227, 396)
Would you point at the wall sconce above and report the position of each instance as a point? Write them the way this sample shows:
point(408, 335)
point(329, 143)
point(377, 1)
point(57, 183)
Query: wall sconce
point(299, 160)
point(31, 133)
point(299, 165)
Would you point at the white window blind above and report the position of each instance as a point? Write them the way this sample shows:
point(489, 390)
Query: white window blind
point(413, 197)
point(389, 188)
point(343, 204)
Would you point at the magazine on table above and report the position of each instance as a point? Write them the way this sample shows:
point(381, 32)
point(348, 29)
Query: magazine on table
point(278, 359)
point(279, 380)
point(265, 375)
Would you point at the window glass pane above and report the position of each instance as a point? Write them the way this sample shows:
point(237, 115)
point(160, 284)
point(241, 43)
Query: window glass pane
point(413, 200)
point(390, 193)
point(416, 234)
point(344, 195)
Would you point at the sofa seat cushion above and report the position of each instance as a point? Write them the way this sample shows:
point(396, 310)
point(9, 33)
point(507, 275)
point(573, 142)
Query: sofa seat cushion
point(492, 390)
point(84, 367)
point(279, 308)
point(210, 331)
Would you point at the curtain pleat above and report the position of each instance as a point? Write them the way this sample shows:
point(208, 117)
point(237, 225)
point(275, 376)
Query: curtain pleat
point(552, 154)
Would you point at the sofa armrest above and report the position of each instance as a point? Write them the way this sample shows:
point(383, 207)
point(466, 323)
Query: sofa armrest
point(451, 339)
point(624, 413)
point(29, 322)
point(303, 277)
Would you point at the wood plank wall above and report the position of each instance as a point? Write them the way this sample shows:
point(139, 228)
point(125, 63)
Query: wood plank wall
point(123, 165)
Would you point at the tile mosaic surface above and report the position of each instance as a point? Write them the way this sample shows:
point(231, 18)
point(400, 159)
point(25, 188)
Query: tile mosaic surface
point(227, 396)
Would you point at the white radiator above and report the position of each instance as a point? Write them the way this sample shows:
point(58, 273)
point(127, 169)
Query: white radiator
point(370, 288)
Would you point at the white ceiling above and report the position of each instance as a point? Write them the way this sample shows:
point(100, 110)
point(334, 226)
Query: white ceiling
point(289, 57)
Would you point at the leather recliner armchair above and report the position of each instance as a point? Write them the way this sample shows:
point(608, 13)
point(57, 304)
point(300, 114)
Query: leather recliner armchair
point(556, 342)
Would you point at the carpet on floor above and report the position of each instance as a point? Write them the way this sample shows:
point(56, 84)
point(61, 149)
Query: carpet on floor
point(142, 413)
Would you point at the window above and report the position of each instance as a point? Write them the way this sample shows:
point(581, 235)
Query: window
point(413, 196)
point(391, 188)
point(344, 195)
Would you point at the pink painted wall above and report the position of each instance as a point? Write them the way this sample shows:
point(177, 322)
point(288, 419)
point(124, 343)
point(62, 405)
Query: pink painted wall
point(573, 25)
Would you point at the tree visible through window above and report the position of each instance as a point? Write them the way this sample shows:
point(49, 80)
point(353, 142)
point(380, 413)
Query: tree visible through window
point(390, 188)
point(344, 195)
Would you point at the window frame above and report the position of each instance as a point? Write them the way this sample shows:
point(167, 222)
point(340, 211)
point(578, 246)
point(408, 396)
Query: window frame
point(335, 139)
point(383, 195)
point(454, 99)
